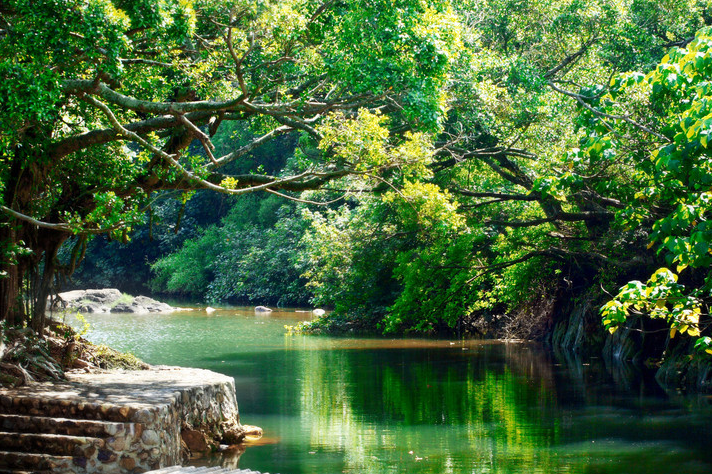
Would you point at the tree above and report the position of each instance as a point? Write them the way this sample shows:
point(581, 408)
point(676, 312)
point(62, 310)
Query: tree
point(251, 257)
point(535, 175)
point(674, 199)
point(101, 100)
point(528, 159)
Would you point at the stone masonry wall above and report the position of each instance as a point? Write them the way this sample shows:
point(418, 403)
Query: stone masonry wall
point(210, 407)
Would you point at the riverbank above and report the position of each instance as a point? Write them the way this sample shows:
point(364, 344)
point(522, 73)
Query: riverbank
point(27, 357)
point(567, 323)
point(68, 405)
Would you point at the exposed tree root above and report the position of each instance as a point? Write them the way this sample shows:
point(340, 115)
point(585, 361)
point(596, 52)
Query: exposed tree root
point(25, 357)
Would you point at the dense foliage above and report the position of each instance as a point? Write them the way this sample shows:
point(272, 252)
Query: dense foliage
point(674, 194)
point(540, 183)
point(452, 166)
point(102, 99)
point(545, 158)
point(252, 257)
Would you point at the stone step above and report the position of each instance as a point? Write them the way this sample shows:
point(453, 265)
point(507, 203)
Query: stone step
point(65, 426)
point(61, 445)
point(14, 471)
point(34, 462)
point(172, 470)
point(202, 470)
point(65, 408)
point(149, 405)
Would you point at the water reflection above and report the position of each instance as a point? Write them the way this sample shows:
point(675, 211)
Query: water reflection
point(425, 410)
point(411, 406)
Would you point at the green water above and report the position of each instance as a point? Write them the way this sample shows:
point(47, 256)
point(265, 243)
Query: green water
point(333, 405)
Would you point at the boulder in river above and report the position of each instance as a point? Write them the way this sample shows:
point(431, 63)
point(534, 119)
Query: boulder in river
point(107, 300)
point(262, 309)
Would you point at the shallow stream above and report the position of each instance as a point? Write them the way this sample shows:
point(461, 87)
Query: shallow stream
point(340, 405)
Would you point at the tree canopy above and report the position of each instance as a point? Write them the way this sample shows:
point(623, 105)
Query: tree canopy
point(543, 153)
point(102, 99)
point(452, 165)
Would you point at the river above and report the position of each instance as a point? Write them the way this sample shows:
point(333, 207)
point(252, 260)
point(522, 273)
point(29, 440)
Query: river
point(354, 405)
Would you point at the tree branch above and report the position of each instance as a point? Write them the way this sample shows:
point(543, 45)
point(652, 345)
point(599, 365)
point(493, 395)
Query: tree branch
point(202, 137)
point(553, 252)
point(147, 62)
point(82, 87)
point(570, 59)
point(496, 158)
point(300, 182)
point(59, 227)
point(238, 61)
point(625, 118)
point(99, 137)
point(305, 201)
point(560, 216)
point(498, 196)
point(223, 160)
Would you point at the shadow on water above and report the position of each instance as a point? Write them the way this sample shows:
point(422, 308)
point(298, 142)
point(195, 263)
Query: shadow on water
point(418, 406)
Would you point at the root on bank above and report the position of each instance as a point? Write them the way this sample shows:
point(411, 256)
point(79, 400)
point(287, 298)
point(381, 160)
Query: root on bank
point(27, 357)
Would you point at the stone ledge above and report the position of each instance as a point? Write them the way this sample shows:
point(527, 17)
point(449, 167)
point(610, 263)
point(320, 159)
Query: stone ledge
point(65, 426)
point(36, 462)
point(203, 470)
point(49, 443)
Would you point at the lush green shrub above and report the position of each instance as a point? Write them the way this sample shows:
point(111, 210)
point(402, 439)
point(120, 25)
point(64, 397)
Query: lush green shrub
point(253, 256)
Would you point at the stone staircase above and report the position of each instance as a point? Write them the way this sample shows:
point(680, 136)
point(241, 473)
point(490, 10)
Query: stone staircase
point(46, 435)
point(202, 470)
point(110, 423)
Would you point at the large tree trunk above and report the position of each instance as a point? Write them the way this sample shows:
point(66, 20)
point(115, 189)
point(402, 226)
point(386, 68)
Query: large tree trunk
point(11, 308)
point(26, 279)
point(23, 291)
point(49, 242)
point(10, 300)
point(17, 190)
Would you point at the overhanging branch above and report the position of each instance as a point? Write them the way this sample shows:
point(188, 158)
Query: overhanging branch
point(626, 118)
point(86, 87)
point(560, 216)
point(59, 226)
point(300, 182)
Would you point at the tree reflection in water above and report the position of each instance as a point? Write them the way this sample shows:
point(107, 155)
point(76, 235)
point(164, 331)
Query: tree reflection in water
point(430, 409)
point(414, 406)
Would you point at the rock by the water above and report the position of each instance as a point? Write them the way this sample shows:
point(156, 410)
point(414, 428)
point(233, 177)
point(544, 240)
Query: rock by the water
point(195, 440)
point(254, 432)
point(318, 312)
point(107, 300)
point(104, 296)
point(123, 308)
point(151, 305)
point(262, 309)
